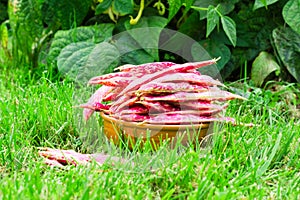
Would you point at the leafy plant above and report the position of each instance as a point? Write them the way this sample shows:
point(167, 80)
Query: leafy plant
point(33, 23)
point(287, 44)
point(262, 67)
point(237, 30)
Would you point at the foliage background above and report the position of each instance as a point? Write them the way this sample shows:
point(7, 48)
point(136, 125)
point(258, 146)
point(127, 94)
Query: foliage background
point(258, 39)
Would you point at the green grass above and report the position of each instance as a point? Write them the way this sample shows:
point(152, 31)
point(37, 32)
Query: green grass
point(261, 162)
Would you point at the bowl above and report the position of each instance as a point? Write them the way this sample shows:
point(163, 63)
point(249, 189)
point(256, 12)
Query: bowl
point(131, 132)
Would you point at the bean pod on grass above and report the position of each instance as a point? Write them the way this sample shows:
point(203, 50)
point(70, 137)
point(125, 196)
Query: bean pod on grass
point(161, 93)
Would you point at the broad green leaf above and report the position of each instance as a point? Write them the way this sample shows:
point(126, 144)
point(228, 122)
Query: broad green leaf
point(103, 6)
point(224, 7)
point(263, 3)
point(212, 19)
point(123, 7)
point(130, 51)
point(287, 43)
point(83, 60)
point(73, 56)
point(65, 14)
point(263, 65)
point(104, 58)
point(229, 27)
point(291, 14)
point(146, 32)
point(94, 34)
point(174, 6)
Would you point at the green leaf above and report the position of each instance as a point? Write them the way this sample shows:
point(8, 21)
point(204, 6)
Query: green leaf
point(212, 19)
point(72, 57)
point(103, 6)
point(130, 51)
point(291, 14)
point(174, 6)
point(103, 58)
point(65, 14)
point(146, 32)
point(123, 7)
point(263, 65)
point(223, 7)
point(84, 60)
point(229, 27)
point(287, 43)
point(94, 34)
point(263, 3)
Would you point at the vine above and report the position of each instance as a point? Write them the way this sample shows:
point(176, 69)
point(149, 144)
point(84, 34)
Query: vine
point(134, 21)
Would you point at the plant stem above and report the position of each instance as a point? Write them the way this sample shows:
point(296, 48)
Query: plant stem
point(135, 20)
point(198, 8)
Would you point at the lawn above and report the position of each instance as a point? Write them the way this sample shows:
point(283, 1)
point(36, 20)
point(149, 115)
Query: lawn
point(38, 110)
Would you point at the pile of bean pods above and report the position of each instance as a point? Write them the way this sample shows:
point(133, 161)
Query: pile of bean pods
point(160, 93)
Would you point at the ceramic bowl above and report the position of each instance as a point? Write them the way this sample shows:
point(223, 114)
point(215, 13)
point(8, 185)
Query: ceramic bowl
point(119, 130)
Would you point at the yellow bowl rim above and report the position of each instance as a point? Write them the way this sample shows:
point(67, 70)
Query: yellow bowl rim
point(154, 126)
